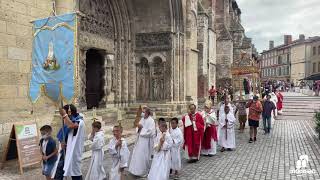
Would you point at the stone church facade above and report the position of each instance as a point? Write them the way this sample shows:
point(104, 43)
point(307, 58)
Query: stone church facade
point(129, 52)
point(154, 50)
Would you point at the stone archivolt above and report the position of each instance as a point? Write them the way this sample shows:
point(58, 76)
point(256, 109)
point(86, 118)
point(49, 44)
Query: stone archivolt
point(154, 41)
point(98, 17)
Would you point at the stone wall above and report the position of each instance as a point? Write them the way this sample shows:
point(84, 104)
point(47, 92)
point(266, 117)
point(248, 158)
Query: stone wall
point(151, 16)
point(297, 58)
point(313, 57)
point(203, 56)
point(15, 63)
point(212, 51)
point(224, 60)
point(231, 39)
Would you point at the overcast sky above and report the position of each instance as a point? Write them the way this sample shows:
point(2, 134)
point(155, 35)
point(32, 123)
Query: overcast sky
point(266, 20)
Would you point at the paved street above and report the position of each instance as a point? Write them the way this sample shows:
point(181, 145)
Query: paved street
point(271, 157)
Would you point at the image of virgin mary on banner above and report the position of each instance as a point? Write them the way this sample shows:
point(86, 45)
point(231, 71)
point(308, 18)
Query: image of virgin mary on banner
point(53, 58)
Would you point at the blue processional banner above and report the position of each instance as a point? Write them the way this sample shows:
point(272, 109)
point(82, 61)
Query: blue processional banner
point(53, 58)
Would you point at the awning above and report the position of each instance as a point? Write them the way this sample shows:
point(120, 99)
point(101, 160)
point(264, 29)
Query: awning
point(313, 77)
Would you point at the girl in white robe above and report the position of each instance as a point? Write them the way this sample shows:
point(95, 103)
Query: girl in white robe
point(142, 151)
point(177, 138)
point(96, 170)
point(227, 134)
point(160, 167)
point(120, 157)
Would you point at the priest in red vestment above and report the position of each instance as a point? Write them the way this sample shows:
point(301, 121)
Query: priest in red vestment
point(193, 128)
point(279, 102)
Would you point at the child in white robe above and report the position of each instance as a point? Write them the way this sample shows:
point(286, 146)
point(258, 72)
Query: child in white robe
point(226, 125)
point(177, 138)
point(119, 152)
point(96, 170)
point(142, 152)
point(160, 167)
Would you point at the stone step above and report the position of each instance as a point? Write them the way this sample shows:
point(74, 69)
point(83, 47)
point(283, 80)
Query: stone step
point(300, 104)
point(300, 115)
point(286, 111)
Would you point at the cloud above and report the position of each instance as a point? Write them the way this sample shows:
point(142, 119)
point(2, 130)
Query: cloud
point(266, 20)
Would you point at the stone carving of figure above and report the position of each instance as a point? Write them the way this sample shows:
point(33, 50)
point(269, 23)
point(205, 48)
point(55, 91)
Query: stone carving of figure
point(161, 89)
point(155, 89)
point(142, 79)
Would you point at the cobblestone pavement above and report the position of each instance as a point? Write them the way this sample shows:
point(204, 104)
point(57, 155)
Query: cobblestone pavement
point(271, 157)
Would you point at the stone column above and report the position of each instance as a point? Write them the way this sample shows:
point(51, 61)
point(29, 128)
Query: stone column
point(192, 51)
point(182, 66)
point(109, 66)
point(176, 68)
point(117, 79)
point(124, 73)
point(80, 100)
point(132, 74)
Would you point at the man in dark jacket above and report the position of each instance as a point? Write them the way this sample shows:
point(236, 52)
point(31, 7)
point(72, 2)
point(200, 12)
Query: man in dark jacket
point(268, 107)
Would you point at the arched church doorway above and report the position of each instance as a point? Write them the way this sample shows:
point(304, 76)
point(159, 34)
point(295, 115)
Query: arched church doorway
point(94, 78)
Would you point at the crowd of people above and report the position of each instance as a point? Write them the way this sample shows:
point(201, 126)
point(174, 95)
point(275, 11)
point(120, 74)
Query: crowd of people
point(156, 152)
point(220, 93)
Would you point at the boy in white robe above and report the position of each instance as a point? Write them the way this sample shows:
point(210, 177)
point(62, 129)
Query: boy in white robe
point(142, 151)
point(160, 167)
point(177, 138)
point(161, 120)
point(96, 170)
point(119, 152)
point(226, 125)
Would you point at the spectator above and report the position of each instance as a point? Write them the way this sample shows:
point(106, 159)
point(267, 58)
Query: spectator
point(268, 107)
point(255, 109)
point(212, 94)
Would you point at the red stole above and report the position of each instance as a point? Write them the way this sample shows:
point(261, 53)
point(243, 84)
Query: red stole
point(192, 138)
point(209, 133)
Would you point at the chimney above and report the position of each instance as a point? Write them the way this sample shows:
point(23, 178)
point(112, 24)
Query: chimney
point(302, 37)
point(271, 45)
point(287, 39)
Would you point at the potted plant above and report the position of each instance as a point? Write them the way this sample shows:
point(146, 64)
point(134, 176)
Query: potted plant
point(317, 121)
